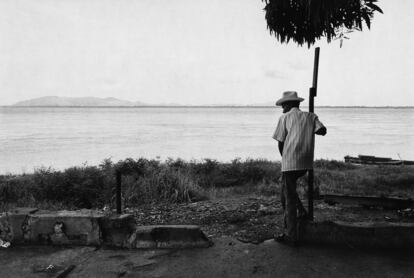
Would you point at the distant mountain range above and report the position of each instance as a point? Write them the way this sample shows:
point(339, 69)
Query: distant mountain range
point(114, 102)
point(103, 102)
point(77, 101)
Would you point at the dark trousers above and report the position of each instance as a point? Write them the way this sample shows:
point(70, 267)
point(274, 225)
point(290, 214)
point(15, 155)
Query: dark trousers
point(291, 203)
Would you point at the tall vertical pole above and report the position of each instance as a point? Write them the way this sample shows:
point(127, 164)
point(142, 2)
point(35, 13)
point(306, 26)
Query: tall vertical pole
point(118, 192)
point(312, 95)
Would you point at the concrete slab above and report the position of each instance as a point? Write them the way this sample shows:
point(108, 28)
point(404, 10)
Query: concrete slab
point(24, 210)
point(168, 236)
point(117, 229)
point(367, 234)
point(11, 223)
point(6, 232)
point(369, 201)
point(88, 227)
point(63, 228)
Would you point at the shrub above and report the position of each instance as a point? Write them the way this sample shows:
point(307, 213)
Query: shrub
point(146, 181)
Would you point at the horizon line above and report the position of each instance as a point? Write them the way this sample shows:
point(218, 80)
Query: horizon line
point(196, 106)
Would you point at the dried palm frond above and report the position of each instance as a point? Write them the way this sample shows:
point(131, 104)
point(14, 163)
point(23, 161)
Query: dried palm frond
point(305, 21)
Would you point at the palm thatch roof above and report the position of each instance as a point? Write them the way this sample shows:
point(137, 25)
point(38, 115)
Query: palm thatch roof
point(305, 21)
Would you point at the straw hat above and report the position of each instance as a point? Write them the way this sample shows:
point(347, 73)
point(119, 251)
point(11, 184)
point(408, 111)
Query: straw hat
point(289, 96)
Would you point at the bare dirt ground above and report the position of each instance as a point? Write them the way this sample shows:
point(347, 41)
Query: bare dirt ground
point(250, 218)
point(227, 258)
point(241, 229)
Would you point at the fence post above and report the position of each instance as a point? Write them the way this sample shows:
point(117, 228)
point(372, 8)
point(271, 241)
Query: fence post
point(118, 192)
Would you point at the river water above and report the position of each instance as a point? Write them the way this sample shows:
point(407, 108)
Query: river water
point(31, 137)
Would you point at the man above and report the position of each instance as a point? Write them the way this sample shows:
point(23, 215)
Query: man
point(295, 133)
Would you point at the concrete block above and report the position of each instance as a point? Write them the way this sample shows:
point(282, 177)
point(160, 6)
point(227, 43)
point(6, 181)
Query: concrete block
point(168, 236)
point(87, 227)
point(116, 229)
point(369, 201)
point(368, 234)
point(63, 227)
point(11, 224)
point(6, 232)
point(23, 210)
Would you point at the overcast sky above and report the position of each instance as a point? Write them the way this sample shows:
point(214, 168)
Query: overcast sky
point(194, 52)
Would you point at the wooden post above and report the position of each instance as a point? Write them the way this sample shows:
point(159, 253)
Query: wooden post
point(312, 94)
point(118, 192)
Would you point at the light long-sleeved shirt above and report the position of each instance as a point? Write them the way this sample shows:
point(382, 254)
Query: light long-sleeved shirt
point(296, 129)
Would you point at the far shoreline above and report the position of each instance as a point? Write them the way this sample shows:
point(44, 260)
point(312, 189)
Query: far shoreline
point(202, 106)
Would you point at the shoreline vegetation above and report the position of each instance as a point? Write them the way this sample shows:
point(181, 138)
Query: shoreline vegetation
point(174, 181)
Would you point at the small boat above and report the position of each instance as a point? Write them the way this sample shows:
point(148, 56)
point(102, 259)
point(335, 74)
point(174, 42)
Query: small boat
point(375, 160)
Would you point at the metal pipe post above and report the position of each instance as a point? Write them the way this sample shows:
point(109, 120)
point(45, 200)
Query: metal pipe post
point(312, 95)
point(118, 192)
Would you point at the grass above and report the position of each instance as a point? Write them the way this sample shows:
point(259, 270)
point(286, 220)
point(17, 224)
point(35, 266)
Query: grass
point(146, 181)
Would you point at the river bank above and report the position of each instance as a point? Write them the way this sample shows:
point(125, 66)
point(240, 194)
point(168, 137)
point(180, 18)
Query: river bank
point(177, 181)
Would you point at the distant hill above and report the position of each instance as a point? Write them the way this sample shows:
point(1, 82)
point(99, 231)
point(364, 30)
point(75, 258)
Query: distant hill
point(77, 101)
point(114, 102)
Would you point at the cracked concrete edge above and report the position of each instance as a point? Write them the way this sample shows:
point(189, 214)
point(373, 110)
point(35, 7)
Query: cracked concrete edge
point(365, 234)
point(11, 223)
point(30, 226)
point(91, 228)
point(167, 237)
